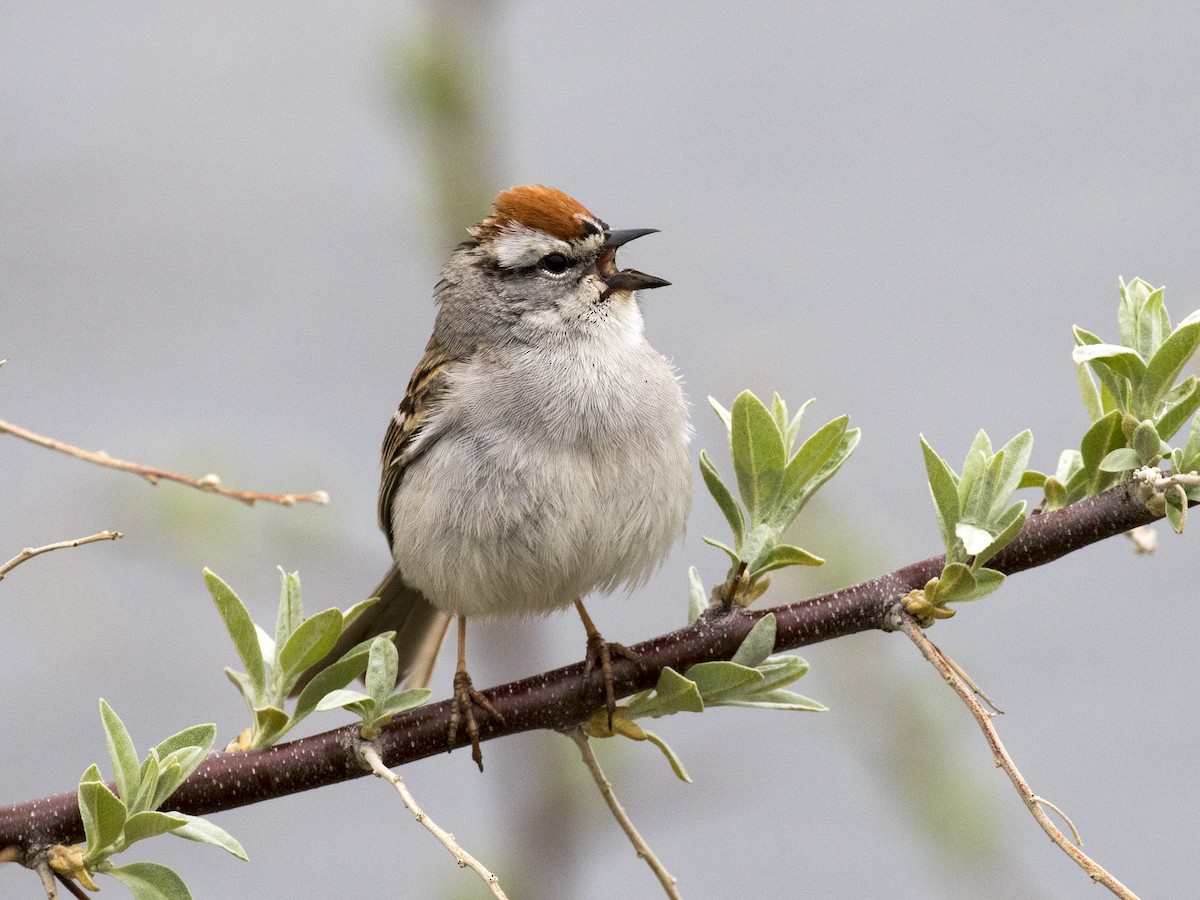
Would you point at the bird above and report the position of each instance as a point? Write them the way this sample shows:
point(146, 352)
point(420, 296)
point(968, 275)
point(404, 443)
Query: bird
point(540, 451)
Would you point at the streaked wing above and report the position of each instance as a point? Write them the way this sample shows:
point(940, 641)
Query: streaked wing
point(400, 444)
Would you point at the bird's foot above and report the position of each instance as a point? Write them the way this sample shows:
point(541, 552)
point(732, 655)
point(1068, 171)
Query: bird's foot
point(600, 653)
point(466, 698)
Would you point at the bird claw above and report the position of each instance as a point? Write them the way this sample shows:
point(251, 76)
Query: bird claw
point(465, 699)
point(601, 651)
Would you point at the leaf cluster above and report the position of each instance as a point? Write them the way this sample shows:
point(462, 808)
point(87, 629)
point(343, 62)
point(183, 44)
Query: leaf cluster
point(976, 518)
point(114, 821)
point(275, 665)
point(1131, 396)
point(378, 705)
point(775, 479)
point(752, 678)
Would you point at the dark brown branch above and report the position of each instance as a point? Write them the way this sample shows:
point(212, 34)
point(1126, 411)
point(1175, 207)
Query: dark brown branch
point(554, 699)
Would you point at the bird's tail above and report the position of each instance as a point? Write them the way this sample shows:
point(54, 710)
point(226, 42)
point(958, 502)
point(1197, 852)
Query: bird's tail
point(420, 630)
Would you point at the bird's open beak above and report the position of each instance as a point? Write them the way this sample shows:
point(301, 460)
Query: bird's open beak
point(628, 279)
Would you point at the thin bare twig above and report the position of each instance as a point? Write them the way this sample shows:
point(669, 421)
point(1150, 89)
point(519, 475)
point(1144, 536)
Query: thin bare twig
point(209, 483)
point(31, 552)
point(666, 879)
point(1035, 803)
point(370, 753)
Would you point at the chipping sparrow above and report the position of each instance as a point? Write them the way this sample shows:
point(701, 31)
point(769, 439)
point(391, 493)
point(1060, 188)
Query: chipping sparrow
point(540, 452)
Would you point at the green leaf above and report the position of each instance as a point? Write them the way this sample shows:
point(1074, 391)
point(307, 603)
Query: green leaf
point(151, 772)
point(974, 466)
point(986, 581)
point(697, 598)
point(1032, 478)
point(126, 768)
point(331, 678)
point(779, 699)
point(976, 509)
point(780, 670)
point(201, 736)
point(956, 579)
point(291, 610)
point(673, 693)
point(1069, 462)
point(1176, 508)
point(244, 685)
point(148, 824)
point(780, 414)
point(1121, 360)
point(356, 610)
point(1153, 325)
point(782, 555)
point(1178, 406)
point(241, 629)
point(718, 678)
point(1007, 527)
point(309, 644)
point(943, 487)
point(404, 700)
point(724, 497)
point(340, 698)
point(1116, 386)
point(1132, 297)
point(734, 558)
point(1191, 451)
point(1088, 392)
point(672, 758)
point(723, 414)
point(804, 466)
point(793, 429)
point(382, 667)
point(1166, 365)
point(205, 832)
point(87, 813)
point(150, 881)
point(270, 724)
point(1102, 438)
point(1012, 472)
point(1123, 459)
point(1146, 443)
point(173, 771)
point(99, 807)
point(1056, 494)
point(758, 644)
point(758, 455)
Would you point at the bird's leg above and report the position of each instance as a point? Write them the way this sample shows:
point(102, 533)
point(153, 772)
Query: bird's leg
point(601, 651)
point(465, 699)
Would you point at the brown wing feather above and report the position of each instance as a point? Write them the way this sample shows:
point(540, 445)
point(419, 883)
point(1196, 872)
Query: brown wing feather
point(399, 447)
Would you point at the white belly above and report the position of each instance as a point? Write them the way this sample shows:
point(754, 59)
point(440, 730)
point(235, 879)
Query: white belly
point(546, 501)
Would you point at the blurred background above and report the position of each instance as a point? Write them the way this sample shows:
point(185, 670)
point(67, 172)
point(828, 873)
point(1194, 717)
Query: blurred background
point(220, 226)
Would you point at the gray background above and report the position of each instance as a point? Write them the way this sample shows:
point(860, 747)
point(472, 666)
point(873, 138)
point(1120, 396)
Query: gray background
point(216, 254)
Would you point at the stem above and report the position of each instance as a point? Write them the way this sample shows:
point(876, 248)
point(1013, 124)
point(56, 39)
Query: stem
point(31, 552)
point(210, 484)
point(665, 878)
point(464, 859)
point(1034, 803)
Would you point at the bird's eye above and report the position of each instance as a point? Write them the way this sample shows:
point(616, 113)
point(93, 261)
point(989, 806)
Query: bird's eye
point(554, 263)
